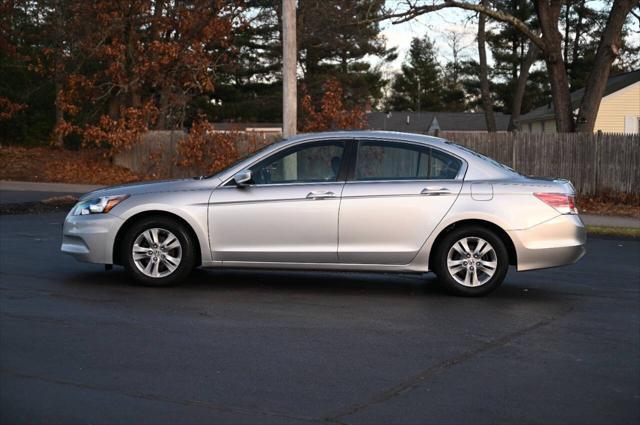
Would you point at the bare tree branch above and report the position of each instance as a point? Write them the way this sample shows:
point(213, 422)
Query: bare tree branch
point(413, 10)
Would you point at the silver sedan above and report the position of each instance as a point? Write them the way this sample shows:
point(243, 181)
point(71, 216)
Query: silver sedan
point(372, 201)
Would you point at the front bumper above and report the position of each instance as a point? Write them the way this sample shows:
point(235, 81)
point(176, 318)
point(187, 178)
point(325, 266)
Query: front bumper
point(90, 238)
point(557, 242)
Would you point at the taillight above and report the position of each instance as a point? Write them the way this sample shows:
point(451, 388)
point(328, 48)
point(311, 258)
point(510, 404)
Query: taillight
point(564, 204)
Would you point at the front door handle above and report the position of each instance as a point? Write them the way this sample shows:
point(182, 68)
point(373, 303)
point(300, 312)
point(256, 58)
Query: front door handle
point(320, 194)
point(435, 191)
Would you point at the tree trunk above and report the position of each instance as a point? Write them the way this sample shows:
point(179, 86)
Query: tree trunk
point(576, 40)
point(521, 86)
point(485, 92)
point(132, 88)
point(58, 70)
point(560, 94)
point(565, 53)
point(549, 15)
point(113, 105)
point(163, 110)
point(163, 96)
point(608, 50)
point(58, 140)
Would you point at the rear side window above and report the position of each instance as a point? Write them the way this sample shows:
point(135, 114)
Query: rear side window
point(403, 161)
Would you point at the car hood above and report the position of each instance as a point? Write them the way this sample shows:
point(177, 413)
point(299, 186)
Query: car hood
point(155, 187)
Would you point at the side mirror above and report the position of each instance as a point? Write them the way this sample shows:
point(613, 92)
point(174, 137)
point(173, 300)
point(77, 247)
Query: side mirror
point(242, 178)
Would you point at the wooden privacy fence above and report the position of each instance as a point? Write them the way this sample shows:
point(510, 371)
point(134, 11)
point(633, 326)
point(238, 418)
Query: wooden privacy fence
point(156, 153)
point(596, 164)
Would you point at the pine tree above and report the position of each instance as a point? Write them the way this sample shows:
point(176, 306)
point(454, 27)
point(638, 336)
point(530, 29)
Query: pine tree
point(334, 37)
point(508, 49)
point(249, 86)
point(332, 41)
point(418, 87)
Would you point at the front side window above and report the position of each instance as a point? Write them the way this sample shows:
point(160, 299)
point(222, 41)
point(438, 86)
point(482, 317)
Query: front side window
point(308, 163)
point(403, 161)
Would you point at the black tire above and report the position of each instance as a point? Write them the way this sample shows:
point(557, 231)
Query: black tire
point(187, 246)
point(445, 245)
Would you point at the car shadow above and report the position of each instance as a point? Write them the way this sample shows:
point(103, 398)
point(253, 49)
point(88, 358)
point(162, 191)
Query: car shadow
point(310, 282)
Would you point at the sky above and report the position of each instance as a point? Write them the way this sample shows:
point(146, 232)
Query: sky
point(438, 25)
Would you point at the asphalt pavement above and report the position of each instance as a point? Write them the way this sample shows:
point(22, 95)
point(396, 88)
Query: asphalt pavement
point(81, 345)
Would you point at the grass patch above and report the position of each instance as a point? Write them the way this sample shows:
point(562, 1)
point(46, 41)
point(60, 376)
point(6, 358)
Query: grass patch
point(626, 232)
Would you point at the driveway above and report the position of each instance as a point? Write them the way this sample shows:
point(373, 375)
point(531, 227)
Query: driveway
point(81, 345)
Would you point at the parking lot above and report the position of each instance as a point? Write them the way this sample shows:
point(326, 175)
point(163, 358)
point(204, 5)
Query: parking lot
point(81, 345)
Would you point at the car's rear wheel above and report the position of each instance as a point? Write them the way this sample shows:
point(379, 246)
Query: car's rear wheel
point(471, 261)
point(158, 251)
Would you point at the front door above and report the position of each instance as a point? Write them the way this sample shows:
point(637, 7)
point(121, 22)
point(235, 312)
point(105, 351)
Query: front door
point(289, 212)
point(397, 196)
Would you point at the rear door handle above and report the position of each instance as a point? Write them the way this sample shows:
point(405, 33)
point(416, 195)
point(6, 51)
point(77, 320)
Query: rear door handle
point(435, 191)
point(320, 194)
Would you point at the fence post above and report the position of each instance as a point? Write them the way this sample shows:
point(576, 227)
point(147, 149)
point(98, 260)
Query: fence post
point(596, 162)
point(514, 152)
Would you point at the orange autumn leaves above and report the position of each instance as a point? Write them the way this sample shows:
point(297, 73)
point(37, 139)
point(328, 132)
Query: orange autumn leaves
point(332, 114)
point(207, 150)
point(135, 65)
point(9, 108)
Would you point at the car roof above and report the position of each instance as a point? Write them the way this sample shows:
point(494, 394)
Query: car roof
point(394, 135)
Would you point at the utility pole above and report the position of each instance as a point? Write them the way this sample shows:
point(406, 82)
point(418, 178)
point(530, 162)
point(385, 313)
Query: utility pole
point(289, 69)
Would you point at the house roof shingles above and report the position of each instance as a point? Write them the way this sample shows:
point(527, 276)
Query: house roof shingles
point(420, 122)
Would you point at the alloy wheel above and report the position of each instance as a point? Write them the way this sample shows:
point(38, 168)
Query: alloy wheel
point(472, 261)
point(157, 252)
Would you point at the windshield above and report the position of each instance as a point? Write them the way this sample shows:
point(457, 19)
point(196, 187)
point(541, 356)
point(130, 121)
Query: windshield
point(486, 158)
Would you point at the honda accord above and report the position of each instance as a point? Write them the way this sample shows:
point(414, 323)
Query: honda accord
point(363, 200)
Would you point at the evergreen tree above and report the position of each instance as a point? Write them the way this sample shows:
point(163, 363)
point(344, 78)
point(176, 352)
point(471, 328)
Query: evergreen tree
point(453, 94)
point(418, 87)
point(332, 42)
point(334, 38)
point(508, 49)
point(249, 86)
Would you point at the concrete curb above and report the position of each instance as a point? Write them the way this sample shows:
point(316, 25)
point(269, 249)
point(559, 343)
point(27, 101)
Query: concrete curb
point(610, 221)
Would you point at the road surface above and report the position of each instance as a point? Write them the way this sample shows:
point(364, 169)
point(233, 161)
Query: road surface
point(81, 345)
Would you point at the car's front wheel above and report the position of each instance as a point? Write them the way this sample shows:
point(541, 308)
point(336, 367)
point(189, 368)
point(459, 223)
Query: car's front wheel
point(471, 261)
point(158, 251)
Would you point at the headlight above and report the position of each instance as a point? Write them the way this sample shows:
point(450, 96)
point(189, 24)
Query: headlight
point(101, 205)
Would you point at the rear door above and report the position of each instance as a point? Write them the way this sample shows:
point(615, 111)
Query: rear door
point(396, 195)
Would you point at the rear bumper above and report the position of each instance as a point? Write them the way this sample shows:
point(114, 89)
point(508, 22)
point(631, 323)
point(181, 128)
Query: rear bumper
point(557, 242)
point(90, 238)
